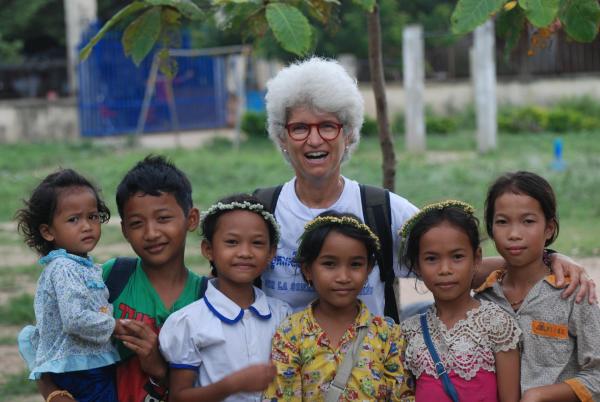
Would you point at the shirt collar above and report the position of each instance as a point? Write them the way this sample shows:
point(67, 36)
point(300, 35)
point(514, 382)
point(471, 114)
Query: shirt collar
point(496, 276)
point(362, 319)
point(61, 252)
point(228, 311)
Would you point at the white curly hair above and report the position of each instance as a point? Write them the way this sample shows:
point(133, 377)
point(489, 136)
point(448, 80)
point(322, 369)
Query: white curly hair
point(319, 84)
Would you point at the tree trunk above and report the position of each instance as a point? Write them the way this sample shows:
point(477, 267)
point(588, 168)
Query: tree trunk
point(378, 82)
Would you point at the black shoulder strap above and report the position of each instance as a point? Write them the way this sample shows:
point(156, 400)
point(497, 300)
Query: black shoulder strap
point(378, 216)
point(202, 288)
point(268, 196)
point(119, 275)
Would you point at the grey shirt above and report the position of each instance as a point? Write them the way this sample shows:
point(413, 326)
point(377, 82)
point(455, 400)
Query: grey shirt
point(560, 340)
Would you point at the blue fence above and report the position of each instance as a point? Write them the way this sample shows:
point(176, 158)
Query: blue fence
point(111, 91)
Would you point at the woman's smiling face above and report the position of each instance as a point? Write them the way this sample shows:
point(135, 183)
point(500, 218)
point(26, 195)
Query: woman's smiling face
point(314, 158)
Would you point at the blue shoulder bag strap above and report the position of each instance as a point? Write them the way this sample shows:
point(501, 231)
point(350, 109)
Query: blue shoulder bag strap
point(439, 367)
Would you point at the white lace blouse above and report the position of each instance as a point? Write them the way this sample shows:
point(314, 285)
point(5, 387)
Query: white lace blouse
point(467, 347)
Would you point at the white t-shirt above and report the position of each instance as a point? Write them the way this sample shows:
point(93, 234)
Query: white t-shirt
point(283, 279)
point(216, 337)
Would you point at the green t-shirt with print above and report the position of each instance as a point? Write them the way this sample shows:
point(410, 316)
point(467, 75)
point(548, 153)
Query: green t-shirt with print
point(140, 301)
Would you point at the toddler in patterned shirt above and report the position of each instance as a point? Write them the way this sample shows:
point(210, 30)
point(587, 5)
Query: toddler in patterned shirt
point(71, 341)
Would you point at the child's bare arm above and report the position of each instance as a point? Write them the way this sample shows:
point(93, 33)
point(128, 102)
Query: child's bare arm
point(253, 378)
point(550, 393)
point(507, 374)
point(142, 340)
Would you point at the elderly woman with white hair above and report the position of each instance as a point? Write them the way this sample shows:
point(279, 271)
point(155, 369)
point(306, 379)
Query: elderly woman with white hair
point(315, 113)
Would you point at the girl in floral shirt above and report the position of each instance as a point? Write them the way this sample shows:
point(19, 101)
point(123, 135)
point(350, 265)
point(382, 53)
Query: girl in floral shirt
point(337, 253)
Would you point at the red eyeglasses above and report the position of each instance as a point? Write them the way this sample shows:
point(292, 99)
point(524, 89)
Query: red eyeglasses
point(328, 130)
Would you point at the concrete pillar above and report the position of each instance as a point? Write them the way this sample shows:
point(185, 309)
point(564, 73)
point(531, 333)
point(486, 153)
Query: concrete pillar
point(483, 71)
point(79, 14)
point(413, 55)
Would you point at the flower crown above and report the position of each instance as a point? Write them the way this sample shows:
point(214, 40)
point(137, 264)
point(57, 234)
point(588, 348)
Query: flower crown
point(248, 206)
point(344, 220)
point(409, 224)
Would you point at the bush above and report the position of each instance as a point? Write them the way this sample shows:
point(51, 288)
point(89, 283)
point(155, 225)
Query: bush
point(513, 119)
point(435, 124)
point(254, 124)
point(369, 127)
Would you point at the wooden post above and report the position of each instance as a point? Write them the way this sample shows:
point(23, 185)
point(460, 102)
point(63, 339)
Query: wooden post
point(413, 57)
point(483, 70)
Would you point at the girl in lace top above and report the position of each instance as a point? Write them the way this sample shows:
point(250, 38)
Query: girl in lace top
point(476, 341)
point(71, 342)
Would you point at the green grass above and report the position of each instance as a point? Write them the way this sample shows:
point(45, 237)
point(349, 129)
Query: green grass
point(451, 169)
point(18, 310)
point(17, 385)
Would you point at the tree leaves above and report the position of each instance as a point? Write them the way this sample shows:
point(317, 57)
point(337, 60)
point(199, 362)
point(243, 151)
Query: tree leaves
point(290, 27)
point(141, 35)
point(581, 19)
point(122, 14)
point(540, 13)
point(186, 7)
point(509, 25)
point(367, 5)
point(469, 14)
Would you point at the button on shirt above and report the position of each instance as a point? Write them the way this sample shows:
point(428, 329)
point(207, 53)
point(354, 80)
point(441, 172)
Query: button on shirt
point(217, 337)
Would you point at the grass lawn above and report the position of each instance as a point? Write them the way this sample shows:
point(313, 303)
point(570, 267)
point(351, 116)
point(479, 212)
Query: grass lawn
point(450, 169)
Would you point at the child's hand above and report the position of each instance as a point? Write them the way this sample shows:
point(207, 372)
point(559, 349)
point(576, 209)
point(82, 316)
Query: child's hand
point(142, 340)
point(254, 378)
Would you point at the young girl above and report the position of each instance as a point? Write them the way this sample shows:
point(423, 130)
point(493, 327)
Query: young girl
point(560, 358)
point(473, 352)
point(335, 349)
point(218, 347)
point(71, 340)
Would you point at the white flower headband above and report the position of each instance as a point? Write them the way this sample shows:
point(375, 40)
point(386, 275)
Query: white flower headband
point(248, 206)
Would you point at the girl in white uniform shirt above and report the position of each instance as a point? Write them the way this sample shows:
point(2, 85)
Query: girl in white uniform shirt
point(218, 347)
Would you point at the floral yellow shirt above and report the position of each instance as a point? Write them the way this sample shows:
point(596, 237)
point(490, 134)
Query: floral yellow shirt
point(307, 362)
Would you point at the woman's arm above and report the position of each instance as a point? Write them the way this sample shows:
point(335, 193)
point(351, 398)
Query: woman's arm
point(253, 378)
point(508, 375)
point(561, 266)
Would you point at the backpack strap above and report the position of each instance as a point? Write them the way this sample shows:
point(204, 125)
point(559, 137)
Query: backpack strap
point(268, 196)
point(202, 288)
point(378, 216)
point(119, 275)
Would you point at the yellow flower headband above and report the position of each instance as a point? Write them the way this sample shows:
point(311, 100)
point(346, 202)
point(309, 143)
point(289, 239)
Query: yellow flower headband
point(344, 220)
point(409, 224)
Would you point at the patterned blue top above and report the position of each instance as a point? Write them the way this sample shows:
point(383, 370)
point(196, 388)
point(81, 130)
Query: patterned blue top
point(74, 318)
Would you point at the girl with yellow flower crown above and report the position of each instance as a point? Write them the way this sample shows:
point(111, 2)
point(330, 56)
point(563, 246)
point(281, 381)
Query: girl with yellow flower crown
point(461, 348)
point(335, 349)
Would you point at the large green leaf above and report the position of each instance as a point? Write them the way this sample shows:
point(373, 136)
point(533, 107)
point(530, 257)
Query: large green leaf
point(290, 27)
point(469, 14)
point(540, 13)
point(509, 26)
point(581, 19)
point(120, 15)
point(367, 5)
point(141, 35)
point(186, 7)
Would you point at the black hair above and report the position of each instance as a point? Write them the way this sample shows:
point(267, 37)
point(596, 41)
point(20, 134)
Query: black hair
point(40, 207)
point(312, 240)
point(155, 175)
point(524, 183)
point(208, 226)
point(454, 215)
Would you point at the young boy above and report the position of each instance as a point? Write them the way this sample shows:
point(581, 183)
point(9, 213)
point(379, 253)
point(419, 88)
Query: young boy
point(154, 200)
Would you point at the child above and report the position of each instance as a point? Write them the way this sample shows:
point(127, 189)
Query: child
point(154, 200)
point(74, 323)
point(335, 349)
point(560, 358)
point(475, 356)
point(218, 347)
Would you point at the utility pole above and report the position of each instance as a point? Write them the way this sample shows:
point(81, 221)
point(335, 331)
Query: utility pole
point(79, 14)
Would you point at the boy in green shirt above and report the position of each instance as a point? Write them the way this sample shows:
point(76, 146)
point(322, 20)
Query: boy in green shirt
point(154, 200)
